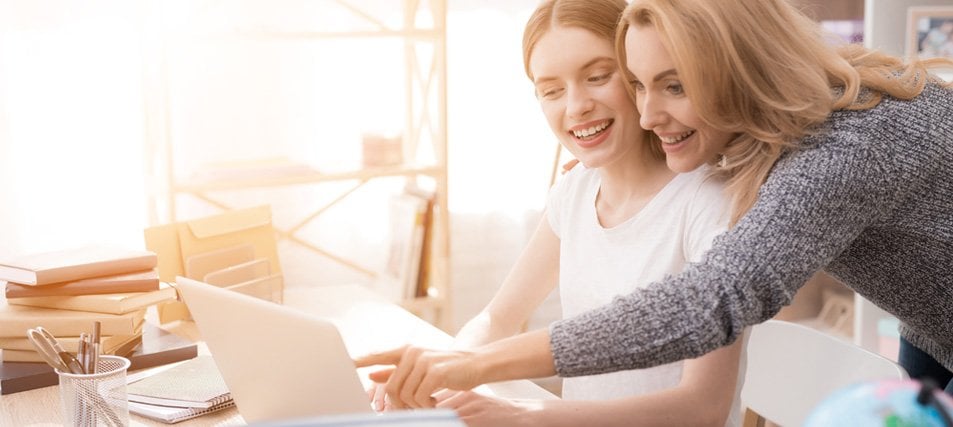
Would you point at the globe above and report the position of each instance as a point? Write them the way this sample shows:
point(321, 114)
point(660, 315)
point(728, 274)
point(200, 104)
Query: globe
point(888, 403)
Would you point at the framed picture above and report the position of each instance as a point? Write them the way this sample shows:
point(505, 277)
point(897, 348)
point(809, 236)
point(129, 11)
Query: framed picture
point(930, 31)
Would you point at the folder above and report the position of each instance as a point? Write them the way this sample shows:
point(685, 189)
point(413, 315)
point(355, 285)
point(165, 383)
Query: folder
point(238, 273)
point(177, 242)
point(186, 243)
point(199, 266)
point(269, 288)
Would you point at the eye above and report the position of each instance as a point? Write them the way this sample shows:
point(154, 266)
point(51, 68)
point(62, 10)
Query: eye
point(675, 88)
point(599, 78)
point(549, 92)
point(637, 85)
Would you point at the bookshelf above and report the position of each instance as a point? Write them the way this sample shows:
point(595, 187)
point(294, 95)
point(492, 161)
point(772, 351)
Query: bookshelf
point(415, 32)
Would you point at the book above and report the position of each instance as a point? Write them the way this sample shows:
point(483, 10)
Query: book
point(423, 277)
point(75, 264)
point(22, 376)
point(119, 348)
point(173, 414)
point(158, 347)
point(196, 383)
point(140, 281)
point(15, 320)
point(123, 349)
point(407, 213)
point(70, 344)
point(101, 303)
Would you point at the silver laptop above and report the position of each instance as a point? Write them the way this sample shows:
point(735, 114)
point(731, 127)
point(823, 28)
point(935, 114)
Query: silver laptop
point(278, 363)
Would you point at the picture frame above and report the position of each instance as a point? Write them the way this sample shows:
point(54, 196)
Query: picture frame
point(929, 32)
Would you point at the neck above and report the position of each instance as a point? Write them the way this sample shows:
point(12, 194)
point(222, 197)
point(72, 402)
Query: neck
point(625, 180)
point(627, 186)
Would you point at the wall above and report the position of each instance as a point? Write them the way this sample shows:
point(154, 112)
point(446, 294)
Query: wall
point(885, 22)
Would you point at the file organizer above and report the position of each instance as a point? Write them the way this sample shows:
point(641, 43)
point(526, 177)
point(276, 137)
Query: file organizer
point(236, 250)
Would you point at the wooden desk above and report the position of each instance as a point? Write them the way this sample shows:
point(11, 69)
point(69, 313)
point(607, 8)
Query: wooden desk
point(366, 321)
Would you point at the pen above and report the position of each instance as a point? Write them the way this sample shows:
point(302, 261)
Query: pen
point(82, 352)
point(95, 343)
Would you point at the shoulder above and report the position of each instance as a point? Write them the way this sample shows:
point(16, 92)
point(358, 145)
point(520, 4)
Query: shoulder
point(895, 120)
point(573, 184)
point(703, 183)
point(887, 138)
point(579, 177)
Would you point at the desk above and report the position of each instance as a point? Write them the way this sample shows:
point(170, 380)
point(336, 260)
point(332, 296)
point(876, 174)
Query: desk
point(367, 322)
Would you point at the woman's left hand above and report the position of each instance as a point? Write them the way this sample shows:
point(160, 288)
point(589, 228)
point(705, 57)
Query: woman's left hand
point(477, 410)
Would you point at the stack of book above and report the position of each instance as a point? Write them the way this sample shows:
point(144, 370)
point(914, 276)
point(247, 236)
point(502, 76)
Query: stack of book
point(66, 292)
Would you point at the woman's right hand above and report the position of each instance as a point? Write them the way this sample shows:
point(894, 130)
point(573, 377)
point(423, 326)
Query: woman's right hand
point(378, 396)
point(569, 165)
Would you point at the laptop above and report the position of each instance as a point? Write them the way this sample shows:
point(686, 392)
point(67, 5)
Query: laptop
point(278, 362)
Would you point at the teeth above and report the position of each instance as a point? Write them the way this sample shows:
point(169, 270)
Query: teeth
point(677, 139)
point(591, 131)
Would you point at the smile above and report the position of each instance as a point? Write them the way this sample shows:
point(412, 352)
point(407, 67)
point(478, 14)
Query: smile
point(677, 139)
point(592, 131)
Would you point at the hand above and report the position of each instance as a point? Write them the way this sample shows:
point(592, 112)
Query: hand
point(477, 410)
point(420, 372)
point(378, 397)
point(569, 165)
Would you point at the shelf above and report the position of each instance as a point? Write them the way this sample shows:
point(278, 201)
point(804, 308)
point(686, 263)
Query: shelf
point(301, 177)
point(420, 25)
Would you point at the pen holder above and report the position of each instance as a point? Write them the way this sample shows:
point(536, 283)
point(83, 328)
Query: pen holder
point(96, 399)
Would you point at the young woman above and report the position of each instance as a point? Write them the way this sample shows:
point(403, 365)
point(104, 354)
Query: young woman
point(614, 223)
point(840, 159)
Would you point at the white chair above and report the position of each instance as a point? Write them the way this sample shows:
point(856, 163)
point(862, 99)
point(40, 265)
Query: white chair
point(791, 368)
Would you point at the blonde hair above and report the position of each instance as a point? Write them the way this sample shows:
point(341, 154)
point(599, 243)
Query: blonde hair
point(600, 17)
point(763, 70)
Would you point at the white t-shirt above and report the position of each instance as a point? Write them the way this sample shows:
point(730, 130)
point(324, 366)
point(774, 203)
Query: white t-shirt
point(675, 228)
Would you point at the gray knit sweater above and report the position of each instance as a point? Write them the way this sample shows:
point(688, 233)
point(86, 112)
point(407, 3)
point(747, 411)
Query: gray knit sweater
point(869, 200)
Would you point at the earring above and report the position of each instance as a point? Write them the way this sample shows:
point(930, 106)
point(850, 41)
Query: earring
point(722, 161)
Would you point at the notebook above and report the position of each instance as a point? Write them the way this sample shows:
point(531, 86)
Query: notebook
point(278, 362)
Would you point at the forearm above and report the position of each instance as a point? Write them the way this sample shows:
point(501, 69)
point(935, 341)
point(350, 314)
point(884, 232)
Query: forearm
point(675, 407)
point(526, 355)
point(483, 329)
point(533, 277)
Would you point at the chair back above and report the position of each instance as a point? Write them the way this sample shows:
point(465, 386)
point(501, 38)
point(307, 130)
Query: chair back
point(791, 368)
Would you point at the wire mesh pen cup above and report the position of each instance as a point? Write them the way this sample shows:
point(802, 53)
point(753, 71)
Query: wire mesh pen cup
point(96, 399)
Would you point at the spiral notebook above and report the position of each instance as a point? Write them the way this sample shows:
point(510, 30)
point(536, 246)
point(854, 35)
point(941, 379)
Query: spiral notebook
point(179, 392)
point(195, 383)
point(172, 414)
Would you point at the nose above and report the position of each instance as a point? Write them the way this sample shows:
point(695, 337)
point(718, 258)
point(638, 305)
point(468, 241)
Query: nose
point(651, 111)
point(579, 102)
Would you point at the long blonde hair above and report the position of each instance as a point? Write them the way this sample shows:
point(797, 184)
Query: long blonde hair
point(763, 70)
point(601, 17)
